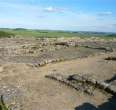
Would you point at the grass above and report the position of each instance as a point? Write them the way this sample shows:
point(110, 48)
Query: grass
point(2, 104)
point(4, 34)
point(21, 32)
point(39, 33)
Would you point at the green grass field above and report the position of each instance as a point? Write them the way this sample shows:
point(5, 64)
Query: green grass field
point(20, 32)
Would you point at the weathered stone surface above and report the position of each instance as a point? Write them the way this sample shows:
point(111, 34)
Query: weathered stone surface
point(12, 96)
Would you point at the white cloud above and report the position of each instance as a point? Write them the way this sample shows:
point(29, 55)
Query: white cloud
point(114, 24)
point(53, 9)
point(105, 13)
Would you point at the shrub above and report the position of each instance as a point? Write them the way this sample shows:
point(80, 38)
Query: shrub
point(6, 34)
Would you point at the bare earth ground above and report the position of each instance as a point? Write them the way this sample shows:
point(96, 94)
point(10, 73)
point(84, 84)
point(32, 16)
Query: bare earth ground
point(25, 87)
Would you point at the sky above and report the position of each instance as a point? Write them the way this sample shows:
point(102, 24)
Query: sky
point(74, 15)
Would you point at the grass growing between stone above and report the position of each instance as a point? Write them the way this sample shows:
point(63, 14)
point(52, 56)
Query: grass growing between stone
point(2, 104)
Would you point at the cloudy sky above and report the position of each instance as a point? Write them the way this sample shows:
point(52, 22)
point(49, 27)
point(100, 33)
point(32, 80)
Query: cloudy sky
point(77, 15)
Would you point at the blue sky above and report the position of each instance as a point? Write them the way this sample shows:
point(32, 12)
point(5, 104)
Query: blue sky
point(77, 15)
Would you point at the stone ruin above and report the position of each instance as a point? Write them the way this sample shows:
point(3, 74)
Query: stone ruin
point(83, 83)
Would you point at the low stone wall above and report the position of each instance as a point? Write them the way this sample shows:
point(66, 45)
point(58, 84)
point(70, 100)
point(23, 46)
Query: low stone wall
point(83, 83)
point(43, 63)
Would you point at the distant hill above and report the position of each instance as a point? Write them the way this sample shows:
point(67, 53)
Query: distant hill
point(19, 29)
point(111, 35)
point(22, 32)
